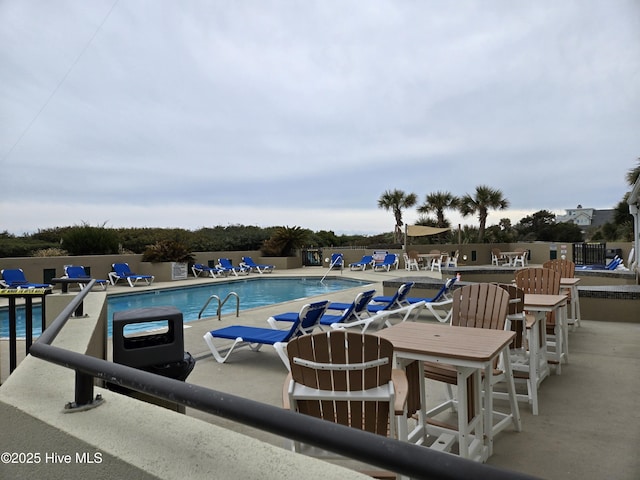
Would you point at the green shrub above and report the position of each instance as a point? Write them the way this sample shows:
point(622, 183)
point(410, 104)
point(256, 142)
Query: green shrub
point(11, 246)
point(167, 251)
point(88, 240)
point(50, 252)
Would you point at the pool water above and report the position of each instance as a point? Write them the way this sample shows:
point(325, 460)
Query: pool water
point(253, 293)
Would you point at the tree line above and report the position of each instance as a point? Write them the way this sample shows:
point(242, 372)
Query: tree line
point(85, 239)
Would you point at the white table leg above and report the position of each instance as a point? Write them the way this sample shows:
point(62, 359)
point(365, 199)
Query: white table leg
point(535, 372)
point(565, 332)
point(576, 299)
point(488, 409)
point(511, 388)
point(463, 420)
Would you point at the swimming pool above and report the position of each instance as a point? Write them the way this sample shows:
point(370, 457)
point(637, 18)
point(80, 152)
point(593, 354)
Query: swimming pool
point(256, 292)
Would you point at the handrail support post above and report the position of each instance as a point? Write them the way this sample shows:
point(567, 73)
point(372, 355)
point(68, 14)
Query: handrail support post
point(84, 399)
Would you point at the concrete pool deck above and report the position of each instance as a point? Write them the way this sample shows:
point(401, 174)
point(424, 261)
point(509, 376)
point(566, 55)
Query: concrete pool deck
point(588, 425)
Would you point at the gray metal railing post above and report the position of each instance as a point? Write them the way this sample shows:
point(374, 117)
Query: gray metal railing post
point(65, 282)
point(84, 391)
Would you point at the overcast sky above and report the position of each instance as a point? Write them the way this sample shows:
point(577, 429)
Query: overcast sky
point(195, 113)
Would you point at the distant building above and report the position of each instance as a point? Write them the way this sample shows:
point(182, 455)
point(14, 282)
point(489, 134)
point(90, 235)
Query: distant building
point(586, 217)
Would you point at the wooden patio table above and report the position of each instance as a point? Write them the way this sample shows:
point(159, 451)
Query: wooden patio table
point(540, 304)
point(472, 352)
point(572, 285)
point(511, 256)
point(428, 258)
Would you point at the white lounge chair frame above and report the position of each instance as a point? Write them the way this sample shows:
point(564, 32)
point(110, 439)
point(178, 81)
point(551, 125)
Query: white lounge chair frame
point(382, 319)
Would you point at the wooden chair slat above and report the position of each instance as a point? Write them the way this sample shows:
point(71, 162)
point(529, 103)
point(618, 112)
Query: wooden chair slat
point(481, 305)
point(541, 281)
point(344, 348)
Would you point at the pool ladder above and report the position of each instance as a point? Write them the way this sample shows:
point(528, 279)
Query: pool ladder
point(221, 304)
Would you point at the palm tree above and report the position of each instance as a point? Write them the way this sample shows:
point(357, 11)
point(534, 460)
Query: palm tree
point(633, 174)
point(285, 241)
point(437, 203)
point(396, 200)
point(485, 198)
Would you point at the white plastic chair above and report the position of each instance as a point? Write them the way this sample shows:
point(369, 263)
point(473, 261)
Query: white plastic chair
point(452, 261)
point(410, 263)
point(497, 257)
point(436, 263)
point(521, 259)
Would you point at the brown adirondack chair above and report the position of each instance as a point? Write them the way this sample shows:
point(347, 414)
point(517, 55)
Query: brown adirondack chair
point(543, 281)
point(547, 282)
point(347, 378)
point(480, 305)
point(567, 269)
point(520, 349)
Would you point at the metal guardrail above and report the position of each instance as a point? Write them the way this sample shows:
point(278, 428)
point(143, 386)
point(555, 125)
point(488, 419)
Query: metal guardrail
point(28, 295)
point(401, 457)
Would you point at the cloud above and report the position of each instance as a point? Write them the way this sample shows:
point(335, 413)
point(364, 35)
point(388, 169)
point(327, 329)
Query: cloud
point(179, 113)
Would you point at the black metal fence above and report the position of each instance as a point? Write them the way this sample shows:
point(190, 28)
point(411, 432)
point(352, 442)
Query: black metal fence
point(311, 257)
point(589, 253)
point(401, 457)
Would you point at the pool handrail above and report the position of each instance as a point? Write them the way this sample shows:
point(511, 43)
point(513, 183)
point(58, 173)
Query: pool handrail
point(221, 304)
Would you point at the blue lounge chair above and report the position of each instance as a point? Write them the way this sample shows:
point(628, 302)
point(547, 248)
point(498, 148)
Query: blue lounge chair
point(443, 294)
point(200, 269)
point(397, 301)
point(256, 337)
point(259, 267)
point(78, 272)
point(382, 319)
point(612, 265)
point(390, 260)
point(121, 271)
point(349, 313)
point(227, 267)
point(15, 278)
point(361, 302)
point(439, 305)
point(363, 263)
point(337, 261)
